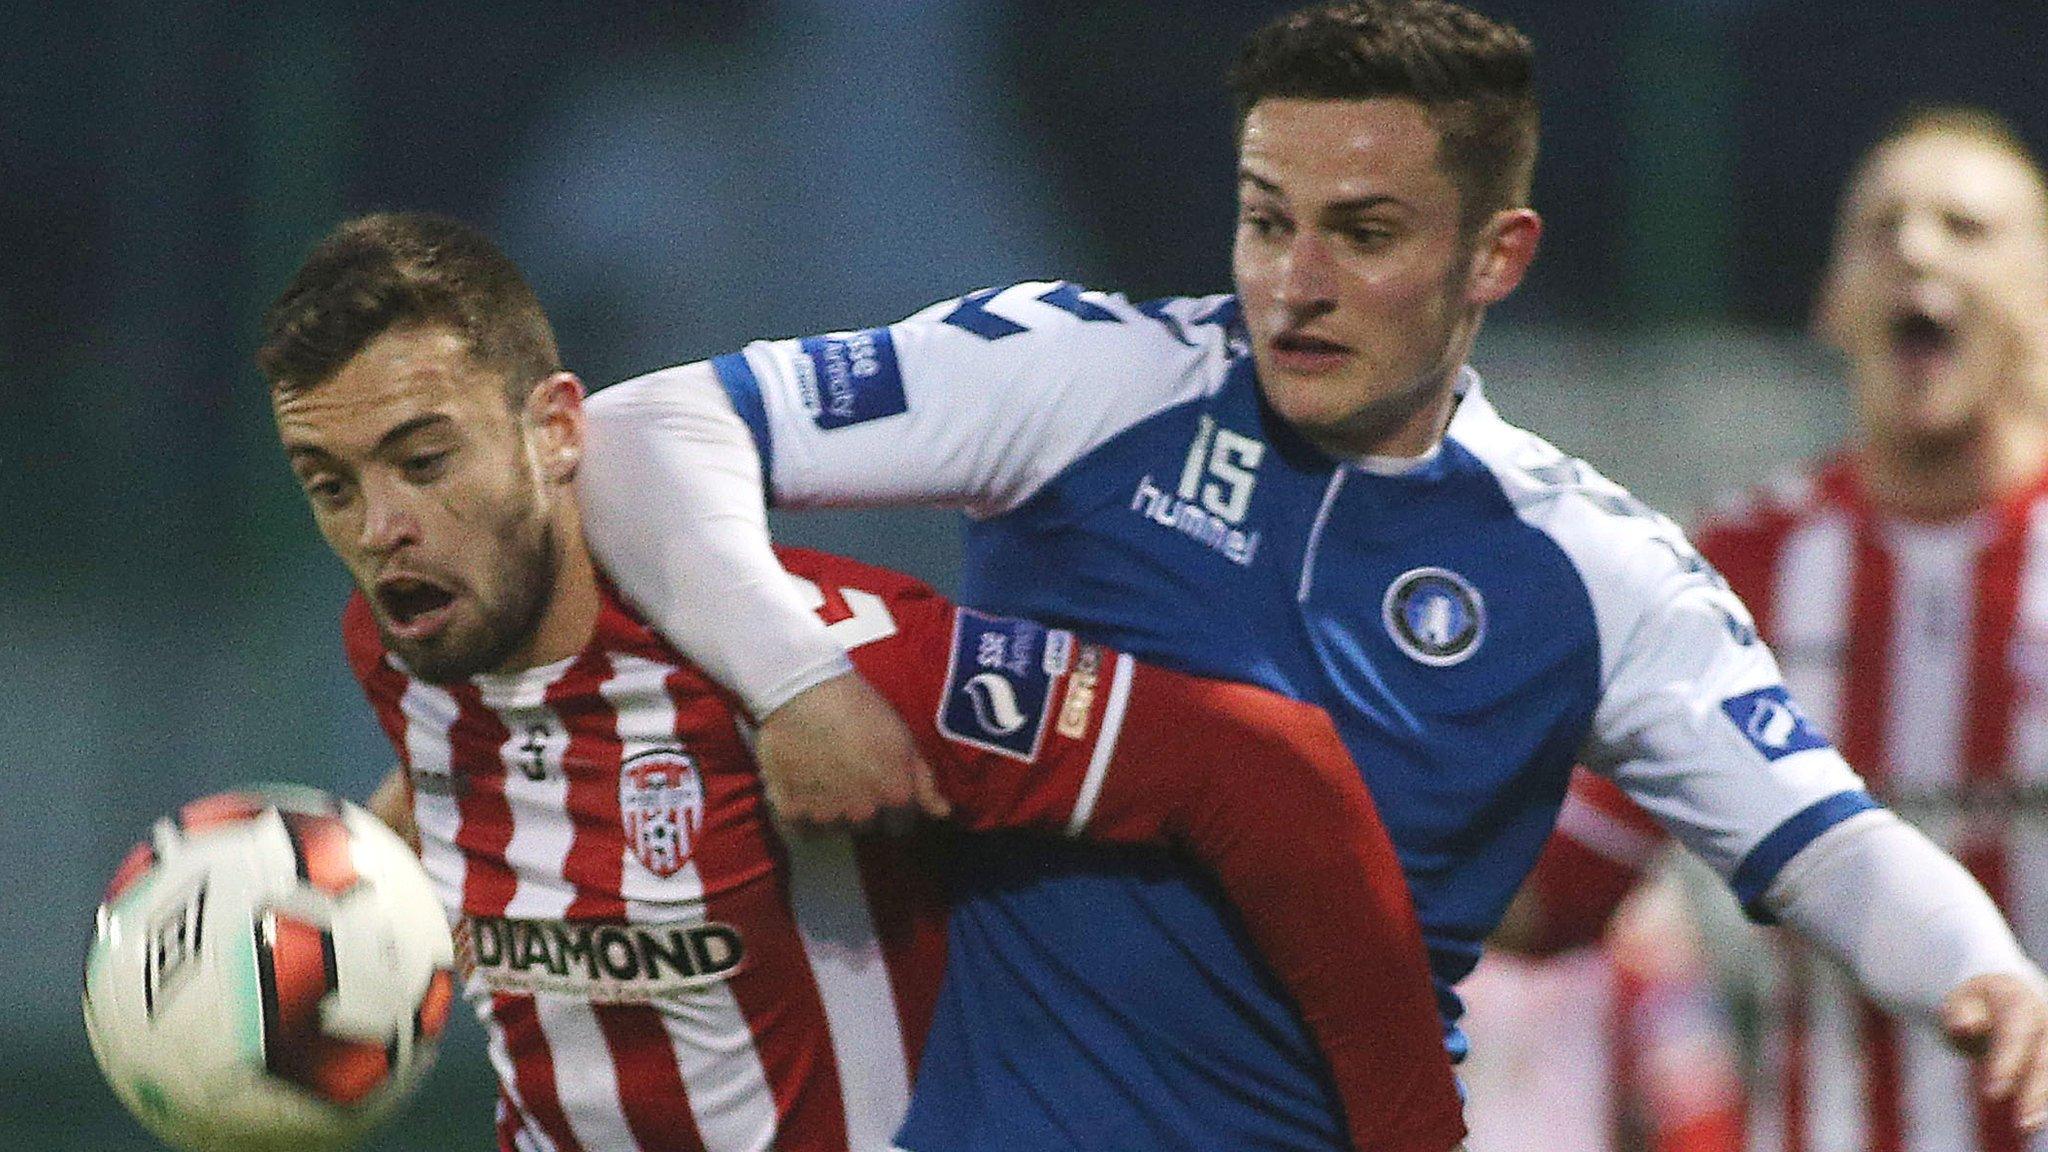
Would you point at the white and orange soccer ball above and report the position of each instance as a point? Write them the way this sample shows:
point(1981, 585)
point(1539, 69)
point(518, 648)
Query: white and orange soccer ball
point(270, 970)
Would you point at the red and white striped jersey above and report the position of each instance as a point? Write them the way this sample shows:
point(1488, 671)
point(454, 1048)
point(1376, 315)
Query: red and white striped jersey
point(657, 969)
point(1614, 1035)
point(1923, 648)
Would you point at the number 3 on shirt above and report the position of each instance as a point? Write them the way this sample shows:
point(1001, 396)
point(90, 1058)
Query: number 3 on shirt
point(870, 620)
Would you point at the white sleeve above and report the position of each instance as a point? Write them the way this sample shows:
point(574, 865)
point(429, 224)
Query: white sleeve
point(1694, 722)
point(1907, 920)
point(671, 495)
point(973, 403)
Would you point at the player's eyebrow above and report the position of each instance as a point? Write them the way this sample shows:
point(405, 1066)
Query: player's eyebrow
point(1355, 204)
point(396, 434)
point(408, 427)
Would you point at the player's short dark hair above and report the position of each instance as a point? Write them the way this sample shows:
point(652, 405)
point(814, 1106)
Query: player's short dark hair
point(1473, 75)
point(394, 270)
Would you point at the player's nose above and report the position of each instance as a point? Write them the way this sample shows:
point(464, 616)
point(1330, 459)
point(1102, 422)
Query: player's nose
point(1307, 270)
point(389, 522)
point(1917, 241)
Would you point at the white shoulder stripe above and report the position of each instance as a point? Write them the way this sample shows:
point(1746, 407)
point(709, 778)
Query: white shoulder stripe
point(1105, 745)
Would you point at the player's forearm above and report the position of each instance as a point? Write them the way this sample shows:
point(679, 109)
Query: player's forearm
point(673, 507)
point(1906, 919)
point(1263, 791)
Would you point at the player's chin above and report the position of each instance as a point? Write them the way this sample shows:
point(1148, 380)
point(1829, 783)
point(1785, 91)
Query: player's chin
point(451, 652)
point(1308, 401)
point(1939, 423)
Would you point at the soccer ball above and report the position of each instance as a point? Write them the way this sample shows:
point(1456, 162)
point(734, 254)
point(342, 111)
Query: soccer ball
point(270, 970)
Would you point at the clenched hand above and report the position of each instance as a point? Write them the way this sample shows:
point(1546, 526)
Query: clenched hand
point(836, 756)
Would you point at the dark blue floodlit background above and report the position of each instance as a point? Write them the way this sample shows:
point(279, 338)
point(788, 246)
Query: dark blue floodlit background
point(678, 178)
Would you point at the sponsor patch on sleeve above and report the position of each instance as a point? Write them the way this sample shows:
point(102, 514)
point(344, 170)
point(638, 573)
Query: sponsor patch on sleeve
point(849, 378)
point(1772, 723)
point(999, 683)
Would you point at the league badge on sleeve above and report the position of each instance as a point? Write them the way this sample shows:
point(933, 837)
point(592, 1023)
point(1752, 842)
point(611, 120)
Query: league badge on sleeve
point(1772, 723)
point(999, 682)
point(850, 378)
point(1434, 615)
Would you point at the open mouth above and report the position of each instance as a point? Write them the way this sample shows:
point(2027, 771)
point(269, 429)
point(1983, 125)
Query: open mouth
point(1919, 338)
point(1310, 345)
point(415, 607)
point(1299, 352)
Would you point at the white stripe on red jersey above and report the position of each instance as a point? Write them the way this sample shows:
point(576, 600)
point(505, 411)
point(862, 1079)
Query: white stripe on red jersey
point(518, 784)
point(657, 971)
point(1919, 647)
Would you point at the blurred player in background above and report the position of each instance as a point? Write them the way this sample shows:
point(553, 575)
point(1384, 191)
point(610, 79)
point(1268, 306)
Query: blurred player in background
point(656, 968)
point(1904, 582)
point(1301, 486)
point(1601, 1023)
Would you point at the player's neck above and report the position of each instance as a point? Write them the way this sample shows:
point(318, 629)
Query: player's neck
point(570, 619)
point(1406, 426)
point(2007, 456)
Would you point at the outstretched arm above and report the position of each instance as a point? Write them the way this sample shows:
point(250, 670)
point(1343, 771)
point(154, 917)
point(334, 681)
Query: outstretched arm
point(1699, 728)
point(950, 407)
point(1923, 937)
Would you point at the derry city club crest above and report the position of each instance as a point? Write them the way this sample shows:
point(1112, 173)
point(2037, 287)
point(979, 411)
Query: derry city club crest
point(661, 799)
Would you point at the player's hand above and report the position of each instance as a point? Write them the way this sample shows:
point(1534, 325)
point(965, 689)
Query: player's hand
point(837, 756)
point(2001, 1020)
point(389, 804)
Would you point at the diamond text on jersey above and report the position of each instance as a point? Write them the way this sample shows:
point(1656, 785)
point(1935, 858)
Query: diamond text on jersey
point(603, 961)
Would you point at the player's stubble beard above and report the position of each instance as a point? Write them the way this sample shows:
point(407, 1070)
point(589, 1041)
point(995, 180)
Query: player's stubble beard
point(528, 565)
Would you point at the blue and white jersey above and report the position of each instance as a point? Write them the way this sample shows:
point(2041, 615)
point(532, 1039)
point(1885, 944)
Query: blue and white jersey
point(1476, 621)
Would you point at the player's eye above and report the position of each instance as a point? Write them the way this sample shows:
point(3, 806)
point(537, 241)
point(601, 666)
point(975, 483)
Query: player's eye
point(1964, 227)
point(426, 467)
point(1368, 236)
point(327, 492)
point(1261, 223)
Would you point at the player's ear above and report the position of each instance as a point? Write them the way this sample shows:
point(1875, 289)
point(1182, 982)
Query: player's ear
point(1501, 254)
point(555, 426)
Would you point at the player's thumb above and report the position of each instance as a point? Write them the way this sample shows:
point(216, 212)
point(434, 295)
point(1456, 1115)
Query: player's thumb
point(925, 790)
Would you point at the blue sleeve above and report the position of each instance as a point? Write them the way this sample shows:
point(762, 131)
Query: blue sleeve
point(737, 378)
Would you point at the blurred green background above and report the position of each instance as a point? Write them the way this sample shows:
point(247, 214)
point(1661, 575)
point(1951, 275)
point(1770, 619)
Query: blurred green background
point(680, 178)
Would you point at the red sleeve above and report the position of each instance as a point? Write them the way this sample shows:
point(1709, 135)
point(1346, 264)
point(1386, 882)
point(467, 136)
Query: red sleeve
point(1029, 728)
point(1603, 845)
